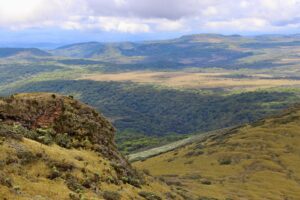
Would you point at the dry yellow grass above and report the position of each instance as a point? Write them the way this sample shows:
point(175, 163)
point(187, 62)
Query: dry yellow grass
point(192, 80)
point(258, 162)
point(30, 180)
point(30, 169)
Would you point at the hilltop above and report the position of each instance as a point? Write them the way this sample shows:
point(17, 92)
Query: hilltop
point(54, 147)
point(27, 52)
point(255, 161)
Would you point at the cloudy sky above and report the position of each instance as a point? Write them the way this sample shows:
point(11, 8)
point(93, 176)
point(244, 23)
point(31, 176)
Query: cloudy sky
point(66, 21)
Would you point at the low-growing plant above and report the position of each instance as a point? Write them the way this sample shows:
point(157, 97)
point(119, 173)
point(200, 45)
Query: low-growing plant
point(111, 195)
point(5, 180)
point(224, 161)
point(206, 198)
point(63, 140)
point(63, 165)
point(189, 162)
point(206, 182)
point(149, 195)
point(10, 132)
point(26, 157)
point(73, 183)
point(147, 172)
point(54, 173)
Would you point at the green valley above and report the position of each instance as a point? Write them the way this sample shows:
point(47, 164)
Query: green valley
point(156, 92)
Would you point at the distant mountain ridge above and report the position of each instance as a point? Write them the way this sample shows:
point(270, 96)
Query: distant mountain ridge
point(199, 50)
point(188, 51)
point(10, 52)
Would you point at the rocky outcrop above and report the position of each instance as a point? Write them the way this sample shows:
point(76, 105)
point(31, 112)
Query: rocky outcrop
point(64, 121)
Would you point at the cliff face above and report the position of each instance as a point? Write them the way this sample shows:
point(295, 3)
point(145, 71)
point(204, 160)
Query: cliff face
point(61, 120)
point(52, 141)
point(61, 115)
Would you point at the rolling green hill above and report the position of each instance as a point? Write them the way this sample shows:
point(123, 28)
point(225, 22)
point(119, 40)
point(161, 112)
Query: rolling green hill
point(201, 51)
point(10, 52)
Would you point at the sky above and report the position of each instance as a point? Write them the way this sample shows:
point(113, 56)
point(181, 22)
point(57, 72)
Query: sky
point(56, 22)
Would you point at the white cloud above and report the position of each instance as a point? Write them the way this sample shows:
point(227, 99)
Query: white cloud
point(106, 24)
point(168, 25)
point(210, 11)
point(120, 25)
point(246, 24)
point(137, 16)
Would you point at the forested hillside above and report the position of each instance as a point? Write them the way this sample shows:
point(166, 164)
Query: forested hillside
point(146, 110)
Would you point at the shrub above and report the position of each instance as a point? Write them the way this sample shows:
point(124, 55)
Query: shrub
point(169, 195)
point(173, 182)
point(44, 136)
point(147, 172)
point(26, 157)
point(189, 162)
point(54, 173)
point(170, 159)
point(74, 196)
point(207, 198)
point(110, 195)
point(73, 183)
point(10, 132)
point(61, 165)
point(79, 158)
point(63, 140)
point(192, 176)
point(5, 181)
point(224, 161)
point(133, 181)
point(206, 182)
point(199, 146)
point(189, 154)
point(149, 196)
point(91, 181)
point(45, 139)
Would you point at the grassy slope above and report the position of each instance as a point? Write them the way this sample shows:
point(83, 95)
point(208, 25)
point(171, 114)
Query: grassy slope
point(85, 165)
point(143, 155)
point(29, 178)
point(258, 161)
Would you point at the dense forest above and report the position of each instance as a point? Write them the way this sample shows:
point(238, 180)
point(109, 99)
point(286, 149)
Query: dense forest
point(156, 111)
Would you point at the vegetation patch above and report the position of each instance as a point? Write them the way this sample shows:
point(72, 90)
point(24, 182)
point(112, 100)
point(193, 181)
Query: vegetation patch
point(110, 195)
point(225, 161)
point(149, 196)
